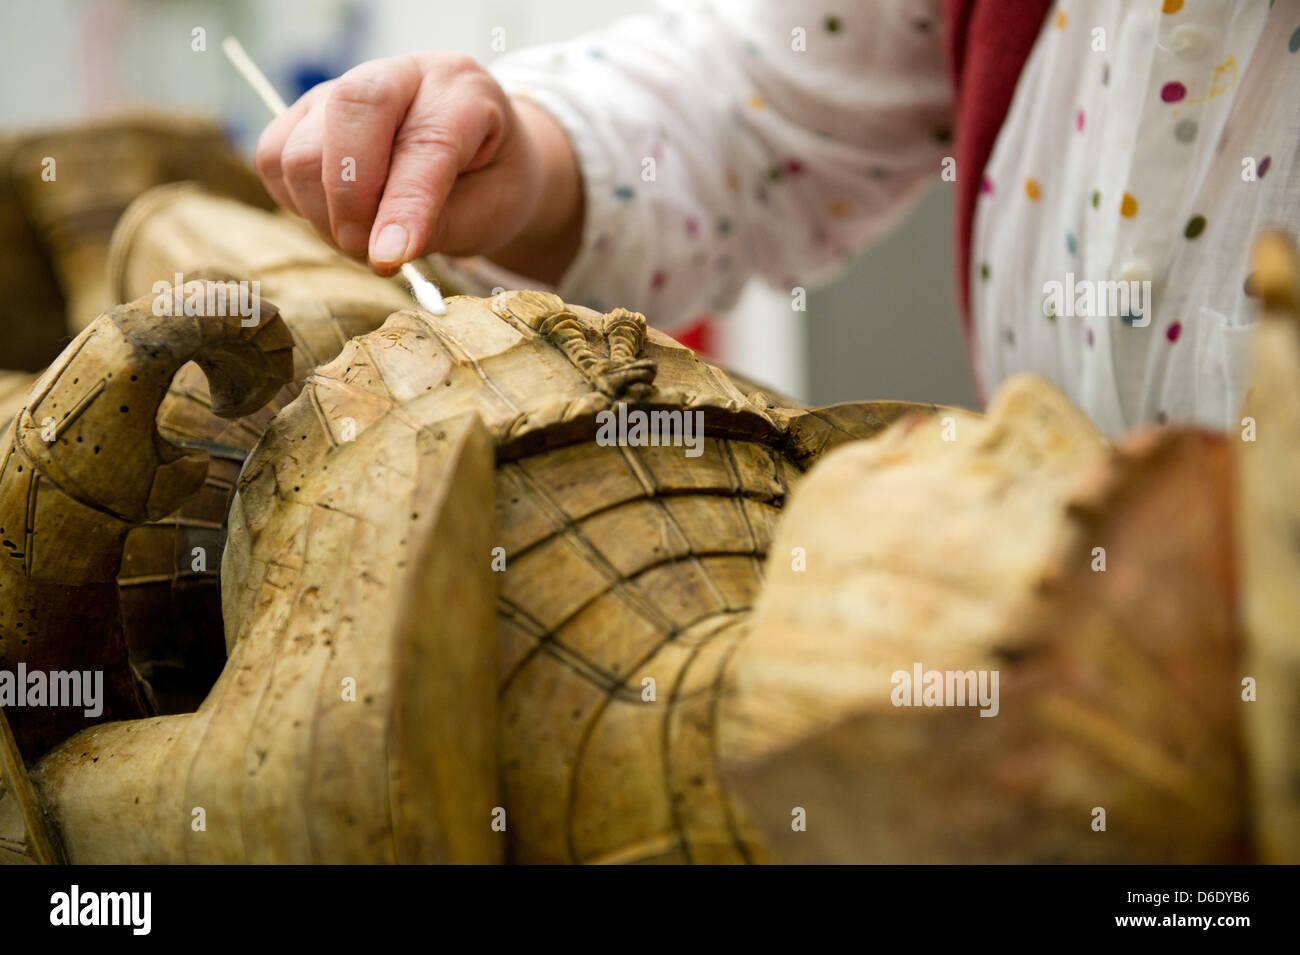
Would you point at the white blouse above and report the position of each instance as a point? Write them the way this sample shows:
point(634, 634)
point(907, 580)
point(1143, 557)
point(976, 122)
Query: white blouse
point(1147, 141)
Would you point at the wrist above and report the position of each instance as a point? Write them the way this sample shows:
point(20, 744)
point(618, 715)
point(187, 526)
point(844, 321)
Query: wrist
point(550, 240)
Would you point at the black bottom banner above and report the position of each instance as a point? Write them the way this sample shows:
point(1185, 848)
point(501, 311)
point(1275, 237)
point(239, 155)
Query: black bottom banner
point(974, 904)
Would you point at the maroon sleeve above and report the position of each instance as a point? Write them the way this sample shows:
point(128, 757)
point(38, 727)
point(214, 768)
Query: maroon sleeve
point(988, 43)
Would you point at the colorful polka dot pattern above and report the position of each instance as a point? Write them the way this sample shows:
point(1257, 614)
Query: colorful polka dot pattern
point(1185, 131)
point(836, 212)
point(1081, 210)
point(1142, 173)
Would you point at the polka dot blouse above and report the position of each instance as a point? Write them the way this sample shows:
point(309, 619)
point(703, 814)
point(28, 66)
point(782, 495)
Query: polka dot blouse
point(1147, 141)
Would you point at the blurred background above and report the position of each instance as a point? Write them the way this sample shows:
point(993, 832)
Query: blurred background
point(887, 329)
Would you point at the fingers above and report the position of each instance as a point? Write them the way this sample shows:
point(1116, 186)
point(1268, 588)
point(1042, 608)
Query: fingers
point(270, 146)
point(362, 114)
point(451, 127)
point(371, 158)
point(301, 163)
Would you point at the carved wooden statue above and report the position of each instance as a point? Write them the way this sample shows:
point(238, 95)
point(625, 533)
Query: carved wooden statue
point(457, 623)
point(62, 192)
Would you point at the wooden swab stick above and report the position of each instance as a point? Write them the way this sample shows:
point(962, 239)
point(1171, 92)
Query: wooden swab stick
point(241, 61)
point(424, 291)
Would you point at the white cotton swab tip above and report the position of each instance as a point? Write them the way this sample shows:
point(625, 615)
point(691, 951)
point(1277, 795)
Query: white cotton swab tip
point(424, 292)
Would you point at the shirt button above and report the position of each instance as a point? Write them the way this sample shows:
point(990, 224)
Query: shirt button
point(1135, 271)
point(1188, 42)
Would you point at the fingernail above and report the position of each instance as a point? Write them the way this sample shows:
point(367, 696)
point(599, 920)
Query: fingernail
point(390, 244)
point(353, 237)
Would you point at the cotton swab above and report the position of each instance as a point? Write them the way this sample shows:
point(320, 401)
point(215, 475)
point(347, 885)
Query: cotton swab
point(424, 291)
